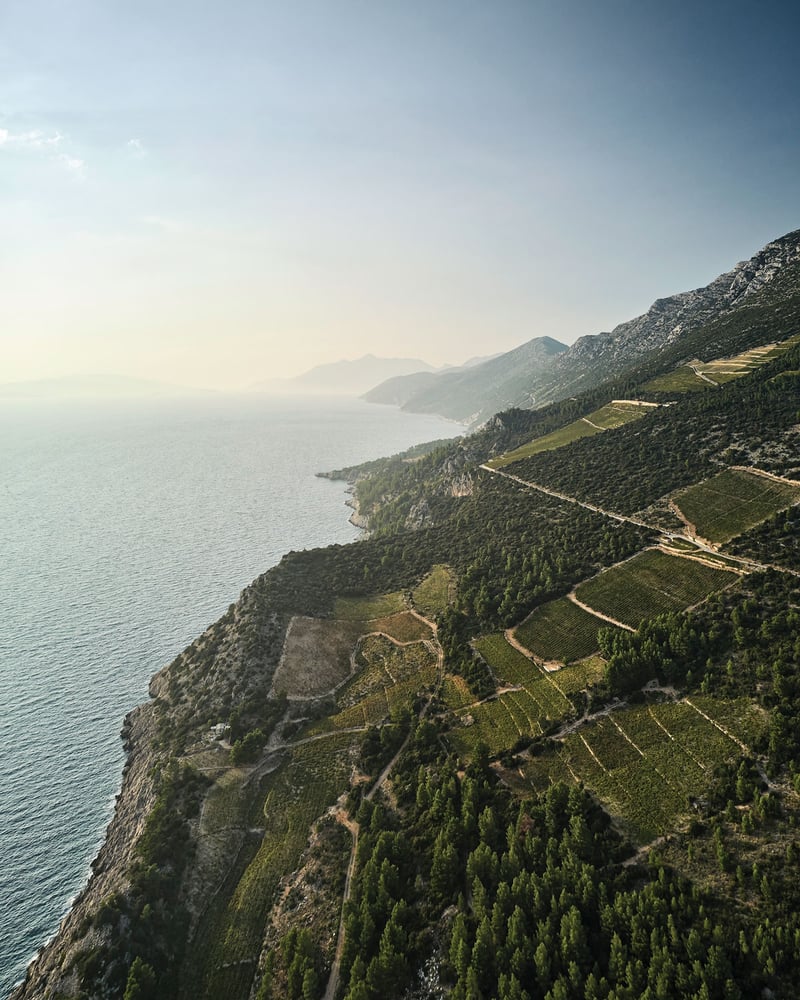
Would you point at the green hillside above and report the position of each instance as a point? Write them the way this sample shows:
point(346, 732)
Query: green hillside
point(536, 736)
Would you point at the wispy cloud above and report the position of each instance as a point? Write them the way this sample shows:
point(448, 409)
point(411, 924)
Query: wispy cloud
point(33, 139)
point(136, 148)
point(39, 142)
point(74, 164)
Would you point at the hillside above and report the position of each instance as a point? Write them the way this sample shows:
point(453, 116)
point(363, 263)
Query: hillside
point(537, 735)
point(345, 377)
point(474, 392)
point(543, 371)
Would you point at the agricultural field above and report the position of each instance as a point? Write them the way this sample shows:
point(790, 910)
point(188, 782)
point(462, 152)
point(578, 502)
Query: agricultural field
point(651, 583)
point(647, 763)
point(316, 656)
point(732, 502)
point(404, 627)
point(455, 692)
point(579, 676)
point(496, 723)
point(560, 631)
point(606, 418)
point(530, 700)
point(689, 378)
point(435, 593)
point(384, 664)
point(682, 379)
point(620, 412)
point(389, 678)
point(311, 778)
point(364, 609)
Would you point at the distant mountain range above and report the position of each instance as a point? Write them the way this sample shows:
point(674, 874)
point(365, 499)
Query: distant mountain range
point(350, 378)
point(542, 370)
point(473, 392)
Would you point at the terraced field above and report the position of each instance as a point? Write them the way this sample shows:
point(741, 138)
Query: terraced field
point(732, 502)
point(647, 763)
point(606, 418)
point(680, 380)
point(311, 778)
point(689, 378)
point(536, 698)
point(651, 583)
point(389, 677)
point(560, 631)
point(364, 609)
point(404, 627)
point(435, 593)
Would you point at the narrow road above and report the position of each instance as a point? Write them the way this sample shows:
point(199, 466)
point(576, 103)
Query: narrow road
point(749, 565)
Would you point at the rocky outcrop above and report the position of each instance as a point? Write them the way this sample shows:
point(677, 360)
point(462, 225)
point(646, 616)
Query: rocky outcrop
point(54, 972)
point(542, 371)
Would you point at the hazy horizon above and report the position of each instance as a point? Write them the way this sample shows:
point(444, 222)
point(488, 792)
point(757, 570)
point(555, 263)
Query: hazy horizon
point(213, 197)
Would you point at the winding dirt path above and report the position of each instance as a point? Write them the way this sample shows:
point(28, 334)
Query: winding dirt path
point(572, 596)
point(353, 827)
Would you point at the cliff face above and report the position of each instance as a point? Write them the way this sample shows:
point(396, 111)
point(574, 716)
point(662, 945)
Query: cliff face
point(226, 670)
point(542, 371)
point(55, 970)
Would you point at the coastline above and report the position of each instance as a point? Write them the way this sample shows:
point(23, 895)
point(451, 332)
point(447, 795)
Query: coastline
point(49, 973)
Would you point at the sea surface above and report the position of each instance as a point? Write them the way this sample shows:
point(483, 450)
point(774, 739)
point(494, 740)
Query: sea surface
point(125, 529)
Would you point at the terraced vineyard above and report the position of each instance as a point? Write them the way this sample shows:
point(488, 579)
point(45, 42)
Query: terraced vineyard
point(404, 627)
point(647, 763)
point(734, 501)
point(689, 378)
point(227, 948)
point(435, 593)
point(535, 700)
point(388, 678)
point(651, 583)
point(364, 609)
point(560, 631)
point(680, 380)
point(606, 418)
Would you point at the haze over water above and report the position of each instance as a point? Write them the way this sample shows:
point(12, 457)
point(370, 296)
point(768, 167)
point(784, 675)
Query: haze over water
point(126, 529)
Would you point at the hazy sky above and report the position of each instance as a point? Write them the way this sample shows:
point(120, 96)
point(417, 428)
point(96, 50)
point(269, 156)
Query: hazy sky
point(219, 193)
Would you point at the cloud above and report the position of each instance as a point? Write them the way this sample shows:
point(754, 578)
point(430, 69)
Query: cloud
point(136, 148)
point(73, 164)
point(33, 139)
point(48, 144)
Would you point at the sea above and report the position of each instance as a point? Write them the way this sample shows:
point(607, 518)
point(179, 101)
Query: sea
point(127, 527)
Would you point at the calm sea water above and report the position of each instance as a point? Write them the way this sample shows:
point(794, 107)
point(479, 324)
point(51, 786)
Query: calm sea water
point(125, 529)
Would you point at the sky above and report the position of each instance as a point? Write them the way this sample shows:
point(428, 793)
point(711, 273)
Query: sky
point(217, 194)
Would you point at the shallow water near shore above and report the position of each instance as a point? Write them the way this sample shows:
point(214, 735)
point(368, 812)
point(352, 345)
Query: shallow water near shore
point(126, 529)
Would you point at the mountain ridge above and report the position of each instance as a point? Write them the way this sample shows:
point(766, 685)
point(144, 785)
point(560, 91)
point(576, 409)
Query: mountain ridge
point(594, 357)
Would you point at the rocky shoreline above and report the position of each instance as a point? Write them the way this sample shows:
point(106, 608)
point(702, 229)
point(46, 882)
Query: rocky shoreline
point(53, 971)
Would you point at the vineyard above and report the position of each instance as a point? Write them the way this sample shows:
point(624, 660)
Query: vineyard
point(435, 593)
point(364, 609)
point(389, 677)
point(403, 627)
point(530, 698)
point(647, 763)
point(734, 501)
point(650, 584)
point(689, 378)
point(560, 631)
point(680, 380)
point(606, 418)
point(295, 794)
